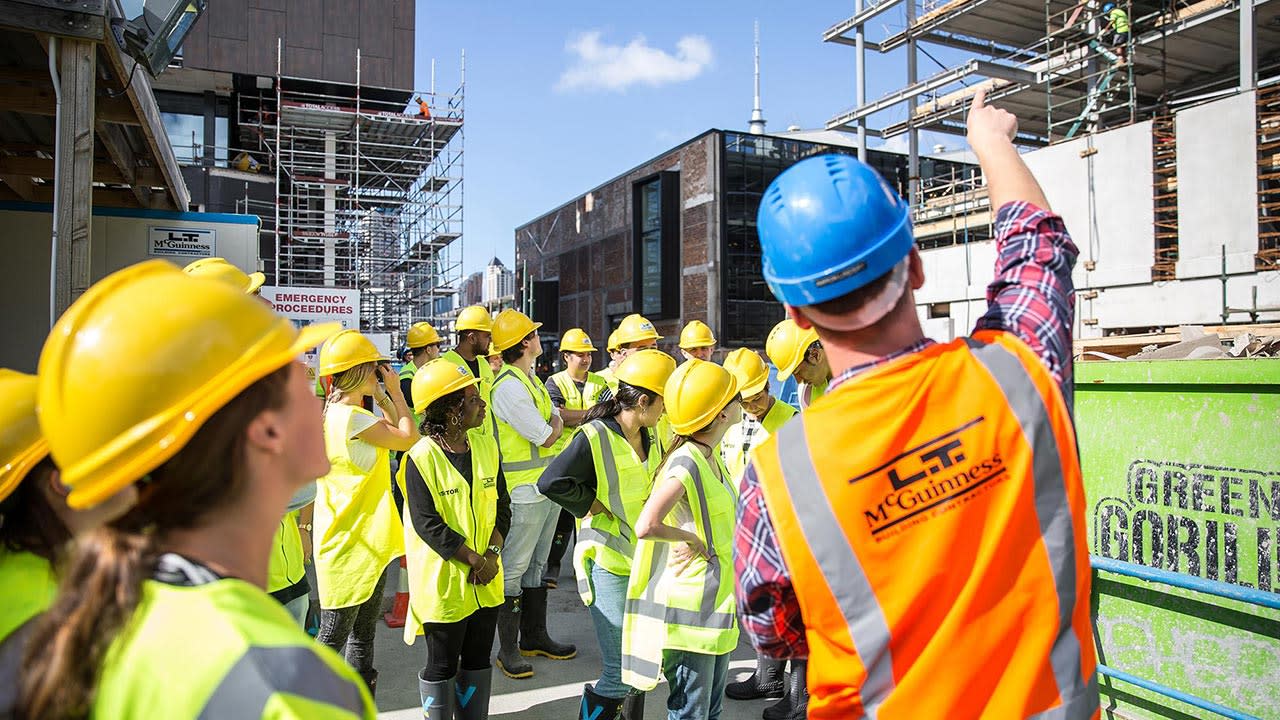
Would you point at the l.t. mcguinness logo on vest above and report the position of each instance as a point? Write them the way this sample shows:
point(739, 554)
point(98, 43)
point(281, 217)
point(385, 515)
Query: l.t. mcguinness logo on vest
point(928, 480)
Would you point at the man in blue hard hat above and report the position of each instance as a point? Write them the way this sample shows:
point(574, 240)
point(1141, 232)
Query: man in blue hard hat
point(907, 531)
point(1116, 31)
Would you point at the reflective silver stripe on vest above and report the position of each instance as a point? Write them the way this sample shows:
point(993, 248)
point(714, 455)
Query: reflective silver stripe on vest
point(679, 616)
point(534, 462)
point(710, 584)
point(264, 671)
point(1081, 707)
point(611, 476)
point(845, 578)
point(613, 542)
point(1052, 509)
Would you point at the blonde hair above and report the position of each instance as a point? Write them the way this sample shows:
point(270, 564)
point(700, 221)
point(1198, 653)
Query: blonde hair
point(349, 381)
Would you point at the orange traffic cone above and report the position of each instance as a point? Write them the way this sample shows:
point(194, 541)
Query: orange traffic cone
point(395, 618)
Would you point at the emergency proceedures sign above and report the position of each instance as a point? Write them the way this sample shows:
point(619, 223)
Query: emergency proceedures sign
point(181, 242)
point(307, 305)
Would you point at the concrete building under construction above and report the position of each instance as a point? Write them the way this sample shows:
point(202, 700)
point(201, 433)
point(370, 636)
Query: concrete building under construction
point(1160, 147)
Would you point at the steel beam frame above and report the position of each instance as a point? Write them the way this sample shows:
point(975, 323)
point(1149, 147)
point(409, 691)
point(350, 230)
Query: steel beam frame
point(985, 68)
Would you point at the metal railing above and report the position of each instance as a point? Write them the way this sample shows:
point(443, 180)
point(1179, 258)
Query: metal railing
point(1184, 582)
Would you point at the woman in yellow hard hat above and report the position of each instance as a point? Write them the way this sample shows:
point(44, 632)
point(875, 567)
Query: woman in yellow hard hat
point(604, 477)
point(697, 341)
point(163, 612)
point(357, 528)
point(615, 357)
point(680, 602)
point(36, 524)
point(762, 415)
point(456, 516)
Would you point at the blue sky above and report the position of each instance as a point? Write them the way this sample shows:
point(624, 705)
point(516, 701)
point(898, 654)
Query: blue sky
point(564, 95)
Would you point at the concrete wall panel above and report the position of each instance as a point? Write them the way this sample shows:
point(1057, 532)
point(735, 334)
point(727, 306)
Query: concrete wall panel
point(1217, 186)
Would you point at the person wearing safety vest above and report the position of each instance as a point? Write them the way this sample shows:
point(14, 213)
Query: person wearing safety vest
point(697, 341)
point(680, 608)
point(290, 551)
point(528, 427)
point(424, 344)
point(615, 357)
point(797, 351)
point(1117, 29)
point(357, 529)
point(473, 327)
point(167, 616)
point(457, 513)
point(574, 391)
point(36, 524)
point(636, 333)
point(494, 359)
point(604, 477)
point(929, 510)
point(762, 416)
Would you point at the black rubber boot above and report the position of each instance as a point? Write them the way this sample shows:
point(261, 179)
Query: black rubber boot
point(768, 681)
point(509, 659)
point(533, 629)
point(795, 704)
point(633, 707)
point(437, 698)
point(370, 678)
point(559, 544)
point(598, 707)
point(471, 693)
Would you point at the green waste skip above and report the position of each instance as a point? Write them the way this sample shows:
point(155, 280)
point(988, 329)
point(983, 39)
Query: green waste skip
point(1181, 460)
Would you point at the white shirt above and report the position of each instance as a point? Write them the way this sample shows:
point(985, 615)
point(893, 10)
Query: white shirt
point(513, 405)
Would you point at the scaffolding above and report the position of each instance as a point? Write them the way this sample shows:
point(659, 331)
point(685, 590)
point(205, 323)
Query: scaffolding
point(1088, 78)
point(369, 192)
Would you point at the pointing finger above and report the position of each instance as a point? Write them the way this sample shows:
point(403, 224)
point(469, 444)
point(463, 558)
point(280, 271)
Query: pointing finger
point(980, 98)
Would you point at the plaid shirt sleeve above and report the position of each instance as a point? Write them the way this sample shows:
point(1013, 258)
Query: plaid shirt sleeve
point(767, 603)
point(1032, 295)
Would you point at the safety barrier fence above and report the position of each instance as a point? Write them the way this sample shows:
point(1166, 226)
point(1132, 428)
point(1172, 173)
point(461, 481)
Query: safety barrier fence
point(1261, 598)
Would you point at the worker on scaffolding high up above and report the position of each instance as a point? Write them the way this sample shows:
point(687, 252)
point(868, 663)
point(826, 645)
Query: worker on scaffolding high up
point(1116, 31)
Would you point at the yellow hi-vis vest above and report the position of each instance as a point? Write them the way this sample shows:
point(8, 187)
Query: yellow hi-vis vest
point(438, 587)
point(29, 588)
point(623, 483)
point(490, 424)
point(574, 400)
point(407, 371)
point(816, 390)
point(609, 378)
point(225, 649)
point(522, 460)
point(732, 446)
point(691, 609)
point(285, 566)
point(357, 530)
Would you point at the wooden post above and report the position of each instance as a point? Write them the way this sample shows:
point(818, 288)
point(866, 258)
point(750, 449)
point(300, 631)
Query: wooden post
point(77, 70)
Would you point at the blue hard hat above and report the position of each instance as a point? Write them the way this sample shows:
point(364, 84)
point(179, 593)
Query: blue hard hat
point(1108, 7)
point(829, 225)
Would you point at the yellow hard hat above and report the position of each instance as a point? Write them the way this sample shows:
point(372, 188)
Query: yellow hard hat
point(749, 369)
point(635, 328)
point(576, 340)
point(787, 344)
point(475, 317)
point(219, 269)
point(695, 393)
point(648, 369)
point(21, 444)
point(492, 350)
point(437, 379)
point(612, 345)
point(136, 365)
point(696, 335)
point(422, 334)
point(510, 327)
point(346, 350)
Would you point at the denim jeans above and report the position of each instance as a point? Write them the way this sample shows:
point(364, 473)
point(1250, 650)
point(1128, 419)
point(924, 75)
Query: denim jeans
point(528, 543)
point(606, 612)
point(697, 684)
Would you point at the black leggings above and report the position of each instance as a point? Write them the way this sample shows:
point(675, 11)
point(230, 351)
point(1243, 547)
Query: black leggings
point(354, 628)
point(470, 639)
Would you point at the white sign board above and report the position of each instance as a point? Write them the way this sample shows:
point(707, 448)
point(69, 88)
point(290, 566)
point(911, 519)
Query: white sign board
point(183, 242)
point(307, 305)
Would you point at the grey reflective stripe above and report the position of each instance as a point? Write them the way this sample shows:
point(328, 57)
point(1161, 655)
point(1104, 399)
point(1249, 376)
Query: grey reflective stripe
point(264, 671)
point(600, 537)
point(533, 463)
point(611, 478)
point(1080, 707)
point(1052, 509)
point(679, 616)
point(643, 668)
point(846, 580)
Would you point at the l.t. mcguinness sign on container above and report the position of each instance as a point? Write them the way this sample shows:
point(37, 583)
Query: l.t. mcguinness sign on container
point(181, 242)
point(307, 305)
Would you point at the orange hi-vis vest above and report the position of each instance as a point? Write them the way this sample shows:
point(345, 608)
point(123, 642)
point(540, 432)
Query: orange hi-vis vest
point(931, 514)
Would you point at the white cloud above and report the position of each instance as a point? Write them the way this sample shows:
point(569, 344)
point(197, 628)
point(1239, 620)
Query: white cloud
point(600, 66)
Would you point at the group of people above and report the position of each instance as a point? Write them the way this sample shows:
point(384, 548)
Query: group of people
point(916, 530)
